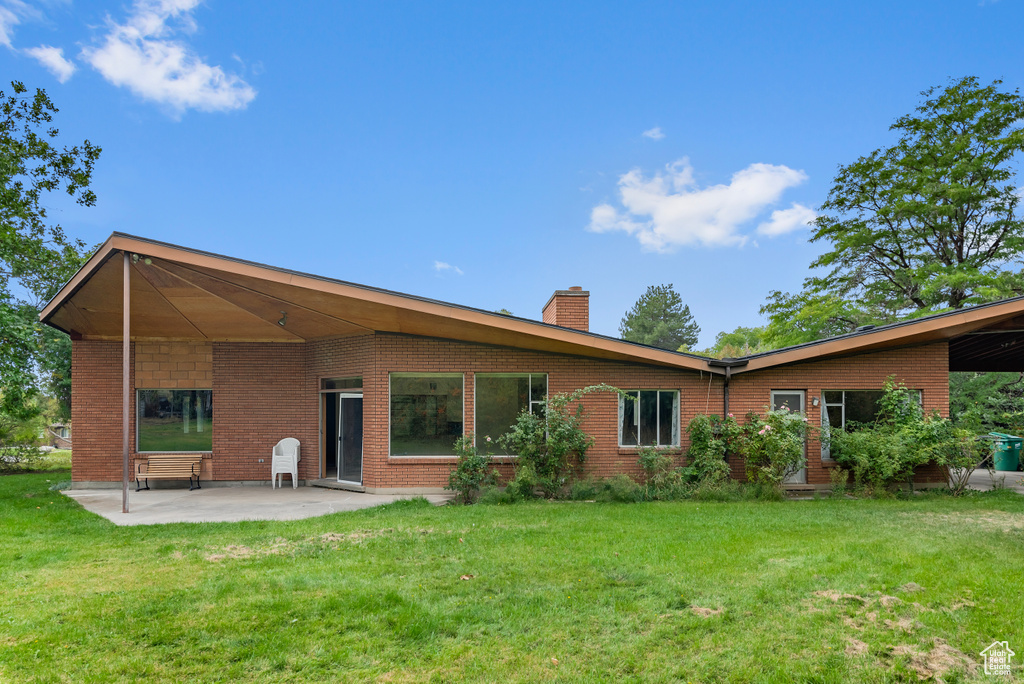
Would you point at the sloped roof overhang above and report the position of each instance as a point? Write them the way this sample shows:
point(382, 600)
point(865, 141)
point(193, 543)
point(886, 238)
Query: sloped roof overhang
point(179, 293)
point(987, 337)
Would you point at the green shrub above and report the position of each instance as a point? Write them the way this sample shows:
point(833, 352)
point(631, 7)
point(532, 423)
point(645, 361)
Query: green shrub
point(471, 471)
point(663, 481)
point(551, 448)
point(884, 455)
point(585, 489)
point(619, 488)
point(878, 457)
point(773, 445)
point(707, 450)
point(497, 496)
point(840, 479)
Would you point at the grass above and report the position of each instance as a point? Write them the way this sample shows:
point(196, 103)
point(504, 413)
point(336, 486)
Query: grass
point(732, 592)
point(53, 461)
point(155, 435)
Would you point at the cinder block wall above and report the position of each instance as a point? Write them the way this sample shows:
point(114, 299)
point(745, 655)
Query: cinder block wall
point(925, 368)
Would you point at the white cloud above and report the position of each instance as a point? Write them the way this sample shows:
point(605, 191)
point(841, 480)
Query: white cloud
point(8, 20)
point(670, 210)
point(143, 55)
point(441, 267)
point(784, 221)
point(12, 13)
point(53, 59)
point(653, 133)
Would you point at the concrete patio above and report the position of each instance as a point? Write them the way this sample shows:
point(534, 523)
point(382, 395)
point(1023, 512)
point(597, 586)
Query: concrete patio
point(230, 504)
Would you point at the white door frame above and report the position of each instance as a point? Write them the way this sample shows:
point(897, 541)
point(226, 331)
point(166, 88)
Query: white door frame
point(800, 476)
point(341, 397)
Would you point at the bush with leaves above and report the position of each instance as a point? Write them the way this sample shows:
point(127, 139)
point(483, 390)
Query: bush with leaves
point(663, 481)
point(552, 447)
point(706, 454)
point(472, 471)
point(883, 455)
point(772, 445)
point(19, 440)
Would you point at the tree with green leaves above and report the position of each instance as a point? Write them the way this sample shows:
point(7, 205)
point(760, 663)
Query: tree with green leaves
point(743, 341)
point(928, 224)
point(660, 319)
point(36, 257)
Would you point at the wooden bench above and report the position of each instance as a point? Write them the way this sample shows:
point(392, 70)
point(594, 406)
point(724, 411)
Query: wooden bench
point(169, 467)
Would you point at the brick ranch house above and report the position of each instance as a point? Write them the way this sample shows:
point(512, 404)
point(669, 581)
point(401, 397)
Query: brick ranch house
point(226, 357)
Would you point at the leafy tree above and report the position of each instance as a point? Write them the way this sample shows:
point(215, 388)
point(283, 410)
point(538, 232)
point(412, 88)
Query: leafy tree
point(36, 257)
point(928, 224)
point(743, 341)
point(984, 402)
point(660, 319)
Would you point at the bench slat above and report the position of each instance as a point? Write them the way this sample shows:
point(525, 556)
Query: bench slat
point(169, 466)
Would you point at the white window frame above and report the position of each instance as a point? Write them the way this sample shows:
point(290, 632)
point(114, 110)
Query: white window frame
point(803, 398)
point(413, 374)
point(677, 403)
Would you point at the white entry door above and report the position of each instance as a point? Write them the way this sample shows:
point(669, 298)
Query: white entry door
point(794, 401)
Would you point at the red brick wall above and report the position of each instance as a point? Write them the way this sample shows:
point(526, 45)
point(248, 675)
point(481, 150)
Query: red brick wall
point(396, 353)
point(96, 411)
point(264, 392)
point(925, 368)
point(569, 309)
point(345, 357)
point(261, 395)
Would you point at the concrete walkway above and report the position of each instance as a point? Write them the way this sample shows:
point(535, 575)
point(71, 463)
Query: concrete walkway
point(983, 480)
point(229, 504)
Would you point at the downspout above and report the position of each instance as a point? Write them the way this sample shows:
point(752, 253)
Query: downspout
point(728, 365)
point(725, 391)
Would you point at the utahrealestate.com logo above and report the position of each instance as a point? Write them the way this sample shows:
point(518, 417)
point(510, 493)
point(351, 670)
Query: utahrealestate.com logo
point(997, 658)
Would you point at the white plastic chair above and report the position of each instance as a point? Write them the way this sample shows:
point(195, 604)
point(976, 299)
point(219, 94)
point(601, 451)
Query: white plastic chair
point(285, 460)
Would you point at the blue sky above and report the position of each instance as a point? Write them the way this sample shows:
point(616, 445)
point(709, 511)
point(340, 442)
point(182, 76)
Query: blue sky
point(490, 153)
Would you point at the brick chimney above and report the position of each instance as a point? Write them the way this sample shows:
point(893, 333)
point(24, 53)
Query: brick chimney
point(569, 309)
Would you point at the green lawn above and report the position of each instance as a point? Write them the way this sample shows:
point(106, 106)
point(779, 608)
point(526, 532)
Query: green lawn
point(814, 591)
point(169, 436)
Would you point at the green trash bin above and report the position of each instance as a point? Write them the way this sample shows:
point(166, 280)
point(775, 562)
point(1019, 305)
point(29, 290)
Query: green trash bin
point(1007, 451)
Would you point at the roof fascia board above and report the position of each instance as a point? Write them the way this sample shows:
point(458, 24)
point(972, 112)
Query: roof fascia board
point(867, 342)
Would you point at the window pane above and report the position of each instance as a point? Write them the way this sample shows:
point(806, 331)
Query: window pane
point(628, 411)
point(862, 406)
point(648, 417)
point(790, 400)
point(835, 416)
point(175, 420)
point(833, 397)
point(499, 400)
point(426, 414)
point(666, 418)
point(539, 389)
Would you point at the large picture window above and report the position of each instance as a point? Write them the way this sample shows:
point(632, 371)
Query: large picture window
point(850, 410)
point(500, 398)
point(426, 413)
point(651, 418)
point(175, 420)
